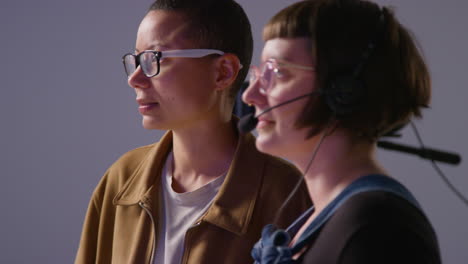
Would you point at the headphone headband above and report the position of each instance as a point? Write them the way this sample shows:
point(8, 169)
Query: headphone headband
point(343, 92)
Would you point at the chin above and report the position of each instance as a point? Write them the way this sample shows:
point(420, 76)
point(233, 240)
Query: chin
point(151, 124)
point(268, 145)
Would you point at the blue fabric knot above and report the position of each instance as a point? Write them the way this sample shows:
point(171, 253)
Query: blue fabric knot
point(273, 248)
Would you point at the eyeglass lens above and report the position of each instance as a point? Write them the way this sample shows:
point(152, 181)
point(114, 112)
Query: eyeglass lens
point(267, 75)
point(264, 74)
point(129, 64)
point(147, 61)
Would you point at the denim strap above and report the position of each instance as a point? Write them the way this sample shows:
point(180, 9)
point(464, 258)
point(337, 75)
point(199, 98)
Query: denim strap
point(374, 182)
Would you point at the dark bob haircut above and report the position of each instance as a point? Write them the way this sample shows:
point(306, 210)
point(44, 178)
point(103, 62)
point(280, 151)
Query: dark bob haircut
point(396, 81)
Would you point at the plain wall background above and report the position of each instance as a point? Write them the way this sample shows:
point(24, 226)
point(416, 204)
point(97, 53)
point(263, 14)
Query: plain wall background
point(67, 113)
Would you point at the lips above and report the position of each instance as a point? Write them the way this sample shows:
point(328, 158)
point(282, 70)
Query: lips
point(264, 122)
point(146, 106)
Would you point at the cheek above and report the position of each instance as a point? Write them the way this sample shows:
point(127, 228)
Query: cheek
point(287, 114)
point(285, 128)
point(290, 89)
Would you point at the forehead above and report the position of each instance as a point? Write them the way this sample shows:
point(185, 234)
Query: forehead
point(162, 30)
point(296, 50)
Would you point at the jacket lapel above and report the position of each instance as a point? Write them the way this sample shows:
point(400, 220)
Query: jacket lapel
point(233, 207)
point(142, 184)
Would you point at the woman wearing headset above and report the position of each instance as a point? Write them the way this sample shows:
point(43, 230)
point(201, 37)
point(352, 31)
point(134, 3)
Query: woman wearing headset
point(345, 72)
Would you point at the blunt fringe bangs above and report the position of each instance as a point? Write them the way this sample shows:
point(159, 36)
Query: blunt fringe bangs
point(292, 22)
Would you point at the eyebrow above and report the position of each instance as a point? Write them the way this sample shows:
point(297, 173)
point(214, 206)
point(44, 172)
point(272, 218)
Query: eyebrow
point(154, 46)
point(279, 59)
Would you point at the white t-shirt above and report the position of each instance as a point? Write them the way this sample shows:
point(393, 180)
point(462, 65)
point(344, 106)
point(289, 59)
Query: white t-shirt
point(180, 211)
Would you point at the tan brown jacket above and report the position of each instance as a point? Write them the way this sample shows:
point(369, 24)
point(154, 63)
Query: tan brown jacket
point(122, 216)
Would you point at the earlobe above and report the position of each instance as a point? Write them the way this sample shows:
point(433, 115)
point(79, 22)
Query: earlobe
point(228, 68)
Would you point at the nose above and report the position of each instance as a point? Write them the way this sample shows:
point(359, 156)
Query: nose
point(252, 95)
point(138, 79)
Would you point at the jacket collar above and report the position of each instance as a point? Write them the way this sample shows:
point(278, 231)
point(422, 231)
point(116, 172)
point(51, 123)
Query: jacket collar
point(233, 206)
point(143, 183)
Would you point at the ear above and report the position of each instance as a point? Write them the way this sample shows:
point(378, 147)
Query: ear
point(228, 66)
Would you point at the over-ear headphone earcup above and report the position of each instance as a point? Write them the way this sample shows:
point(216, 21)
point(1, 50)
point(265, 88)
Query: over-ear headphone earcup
point(343, 94)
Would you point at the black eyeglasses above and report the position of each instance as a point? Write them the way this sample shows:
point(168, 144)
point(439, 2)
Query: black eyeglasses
point(150, 60)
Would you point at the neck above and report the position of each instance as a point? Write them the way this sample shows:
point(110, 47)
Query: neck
point(202, 153)
point(339, 161)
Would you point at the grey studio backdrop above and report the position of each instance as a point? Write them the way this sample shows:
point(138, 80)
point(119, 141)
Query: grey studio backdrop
point(67, 113)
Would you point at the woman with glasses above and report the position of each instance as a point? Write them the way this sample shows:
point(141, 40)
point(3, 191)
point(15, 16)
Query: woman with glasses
point(198, 195)
point(336, 75)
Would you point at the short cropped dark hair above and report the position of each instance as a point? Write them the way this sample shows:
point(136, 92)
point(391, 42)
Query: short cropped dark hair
point(396, 80)
point(219, 24)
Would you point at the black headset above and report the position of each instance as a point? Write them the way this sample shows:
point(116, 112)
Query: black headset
point(343, 92)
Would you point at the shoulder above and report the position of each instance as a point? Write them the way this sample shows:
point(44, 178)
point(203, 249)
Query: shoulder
point(389, 228)
point(381, 208)
point(120, 171)
point(382, 211)
point(378, 227)
point(130, 160)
